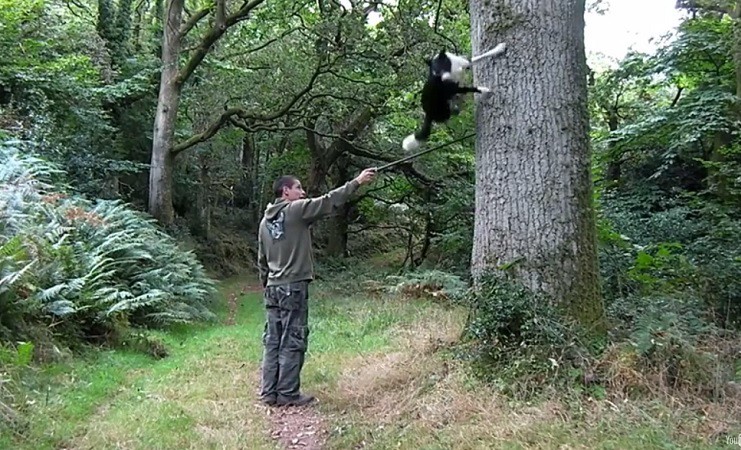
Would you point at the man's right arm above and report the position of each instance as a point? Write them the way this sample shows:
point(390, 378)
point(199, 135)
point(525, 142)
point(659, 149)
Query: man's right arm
point(313, 209)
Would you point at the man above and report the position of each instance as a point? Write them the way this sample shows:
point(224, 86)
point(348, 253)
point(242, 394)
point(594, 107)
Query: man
point(286, 268)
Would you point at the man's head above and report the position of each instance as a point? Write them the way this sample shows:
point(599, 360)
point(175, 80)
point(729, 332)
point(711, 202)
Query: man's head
point(288, 188)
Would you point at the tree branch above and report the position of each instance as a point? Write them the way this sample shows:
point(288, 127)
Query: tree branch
point(380, 227)
point(221, 24)
point(318, 71)
point(314, 147)
point(212, 129)
point(676, 97)
point(261, 46)
point(227, 115)
point(374, 83)
point(193, 21)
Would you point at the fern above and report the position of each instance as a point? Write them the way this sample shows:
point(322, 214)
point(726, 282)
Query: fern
point(88, 262)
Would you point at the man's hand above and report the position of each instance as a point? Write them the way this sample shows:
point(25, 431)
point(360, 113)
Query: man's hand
point(366, 176)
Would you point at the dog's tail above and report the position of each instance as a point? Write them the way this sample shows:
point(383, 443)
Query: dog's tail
point(413, 141)
point(496, 51)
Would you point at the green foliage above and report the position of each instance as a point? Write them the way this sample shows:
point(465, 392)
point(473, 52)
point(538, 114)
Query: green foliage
point(519, 340)
point(53, 91)
point(91, 267)
point(684, 247)
point(426, 284)
point(665, 344)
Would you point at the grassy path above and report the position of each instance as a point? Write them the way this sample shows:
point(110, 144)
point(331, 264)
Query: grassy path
point(201, 396)
point(380, 367)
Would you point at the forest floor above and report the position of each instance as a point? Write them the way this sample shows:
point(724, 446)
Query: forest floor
point(381, 367)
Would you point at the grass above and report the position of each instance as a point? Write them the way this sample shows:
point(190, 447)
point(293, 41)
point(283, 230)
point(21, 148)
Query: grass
point(201, 396)
point(382, 368)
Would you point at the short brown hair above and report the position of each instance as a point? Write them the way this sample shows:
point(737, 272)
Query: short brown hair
point(286, 181)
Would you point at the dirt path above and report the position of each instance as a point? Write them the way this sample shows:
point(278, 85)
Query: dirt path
point(292, 427)
point(298, 427)
point(301, 427)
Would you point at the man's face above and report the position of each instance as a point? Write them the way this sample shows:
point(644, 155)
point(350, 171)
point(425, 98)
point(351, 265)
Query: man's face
point(295, 192)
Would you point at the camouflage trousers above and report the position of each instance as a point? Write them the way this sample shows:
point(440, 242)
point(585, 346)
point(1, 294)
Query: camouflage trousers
point(285, 339)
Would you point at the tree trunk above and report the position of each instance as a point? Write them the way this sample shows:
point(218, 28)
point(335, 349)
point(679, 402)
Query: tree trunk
point(246, 182)
point(337, 225)
point(336, 228)
point(160, 172)
point(533, 183)
point(426, 240)
point(203, 201)
point(736, 16)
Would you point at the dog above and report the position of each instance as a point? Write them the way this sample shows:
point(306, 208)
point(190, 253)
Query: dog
point(442, 90)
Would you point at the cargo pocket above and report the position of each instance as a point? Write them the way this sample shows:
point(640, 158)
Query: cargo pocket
point(298, 339)
point(295, 299)
point(272, 296)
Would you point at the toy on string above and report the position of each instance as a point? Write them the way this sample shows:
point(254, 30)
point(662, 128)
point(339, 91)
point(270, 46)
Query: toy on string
point(418, 154)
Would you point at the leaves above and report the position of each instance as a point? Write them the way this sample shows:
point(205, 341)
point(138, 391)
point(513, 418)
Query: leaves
point(82, 261)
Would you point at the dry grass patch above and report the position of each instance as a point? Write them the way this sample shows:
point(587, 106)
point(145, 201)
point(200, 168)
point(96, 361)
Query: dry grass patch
point(406, 396)
point(415, 395)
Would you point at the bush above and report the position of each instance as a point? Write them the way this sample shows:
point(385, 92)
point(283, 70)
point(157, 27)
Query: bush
point(688, 246)
point(90, 267)
point(426, 284)
point(671, 351)
point(520, 340)
point(671, 269)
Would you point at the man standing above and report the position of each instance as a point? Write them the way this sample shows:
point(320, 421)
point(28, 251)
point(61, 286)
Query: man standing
point(286, 268)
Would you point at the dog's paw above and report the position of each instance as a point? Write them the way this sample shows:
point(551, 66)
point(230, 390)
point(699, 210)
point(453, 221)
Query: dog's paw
point(484, 90)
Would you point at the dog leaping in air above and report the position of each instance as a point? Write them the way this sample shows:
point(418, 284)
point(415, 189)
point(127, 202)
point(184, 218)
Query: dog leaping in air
point(442, 89)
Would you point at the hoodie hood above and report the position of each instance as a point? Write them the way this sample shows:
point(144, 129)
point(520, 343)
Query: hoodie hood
point(273, 209)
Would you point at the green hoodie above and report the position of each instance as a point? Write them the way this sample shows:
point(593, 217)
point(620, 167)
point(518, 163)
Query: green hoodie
point(284, 236)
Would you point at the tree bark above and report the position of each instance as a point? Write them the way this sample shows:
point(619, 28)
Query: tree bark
point(160, 175)
point(736, 16)
point(614, 166)
point(203, 201)
point(245, 191)
point(533, 184)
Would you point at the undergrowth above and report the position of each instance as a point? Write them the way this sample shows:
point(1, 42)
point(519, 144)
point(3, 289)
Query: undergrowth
point(520, 341)
point(89, 267)
point(659, 347)
point(75, 272)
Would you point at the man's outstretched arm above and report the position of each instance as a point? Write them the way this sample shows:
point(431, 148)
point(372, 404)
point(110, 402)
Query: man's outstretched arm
point(313, 209)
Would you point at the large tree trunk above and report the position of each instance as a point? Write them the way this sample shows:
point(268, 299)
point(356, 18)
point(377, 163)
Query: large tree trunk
point(533, 185)
point(336, 228)
point(160, 171)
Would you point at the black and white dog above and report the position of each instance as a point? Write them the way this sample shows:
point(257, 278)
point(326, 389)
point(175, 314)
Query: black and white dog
point(442, 89)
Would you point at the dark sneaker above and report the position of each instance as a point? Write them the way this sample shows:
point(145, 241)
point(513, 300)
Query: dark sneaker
point(301, 400)
point(269, 400)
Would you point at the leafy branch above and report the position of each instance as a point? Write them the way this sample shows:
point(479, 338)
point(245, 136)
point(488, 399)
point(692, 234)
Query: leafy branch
point(243, 114)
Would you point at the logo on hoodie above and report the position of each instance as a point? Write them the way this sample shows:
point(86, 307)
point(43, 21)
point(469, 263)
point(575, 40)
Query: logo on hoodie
point(277, 226)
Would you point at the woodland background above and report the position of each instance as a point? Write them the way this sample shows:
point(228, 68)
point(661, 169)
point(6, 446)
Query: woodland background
point(94, 251)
